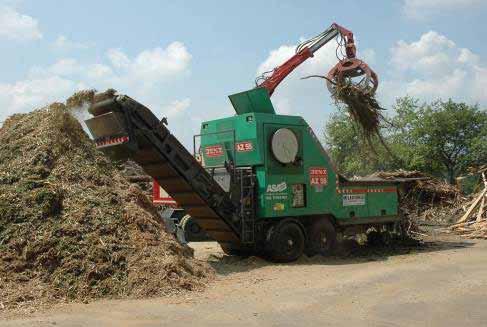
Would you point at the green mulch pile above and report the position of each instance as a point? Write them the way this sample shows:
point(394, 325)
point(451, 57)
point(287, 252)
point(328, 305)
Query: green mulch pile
point(72, 227)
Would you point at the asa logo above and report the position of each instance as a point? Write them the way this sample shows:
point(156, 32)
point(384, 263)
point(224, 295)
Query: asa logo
point(276, 188)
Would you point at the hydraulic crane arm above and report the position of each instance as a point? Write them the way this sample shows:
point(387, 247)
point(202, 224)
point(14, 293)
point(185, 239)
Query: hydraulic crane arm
point(349, 66)
point(329, 34)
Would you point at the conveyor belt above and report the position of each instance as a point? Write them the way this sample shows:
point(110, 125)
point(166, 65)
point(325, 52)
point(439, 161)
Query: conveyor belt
point(124, 128)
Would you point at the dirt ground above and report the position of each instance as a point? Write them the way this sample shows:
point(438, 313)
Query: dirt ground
point(443, 283)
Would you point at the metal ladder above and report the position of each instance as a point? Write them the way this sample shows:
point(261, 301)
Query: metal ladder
point(247, 205)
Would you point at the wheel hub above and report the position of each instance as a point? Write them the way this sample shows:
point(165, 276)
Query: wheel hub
point(323, 240)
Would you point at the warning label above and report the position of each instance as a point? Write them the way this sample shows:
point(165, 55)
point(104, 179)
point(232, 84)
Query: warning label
point(353, 199)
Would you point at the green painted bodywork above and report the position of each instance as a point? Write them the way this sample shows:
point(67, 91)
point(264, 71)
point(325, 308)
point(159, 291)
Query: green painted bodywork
point(255, 100)
point(228, 139)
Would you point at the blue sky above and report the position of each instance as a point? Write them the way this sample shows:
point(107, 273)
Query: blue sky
point(183, 58)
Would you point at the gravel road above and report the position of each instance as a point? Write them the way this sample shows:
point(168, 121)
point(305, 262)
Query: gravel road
point(441, 284)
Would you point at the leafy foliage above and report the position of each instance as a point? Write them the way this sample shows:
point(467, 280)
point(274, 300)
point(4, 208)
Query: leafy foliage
point(440, 138)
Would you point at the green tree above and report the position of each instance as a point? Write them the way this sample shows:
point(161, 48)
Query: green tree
point(350, 152)
point(452, 135)
point(440, 138)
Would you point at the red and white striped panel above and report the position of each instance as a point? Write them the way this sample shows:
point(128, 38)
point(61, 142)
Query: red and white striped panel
point(112, 142)
point(365, 190)
point(160, 196)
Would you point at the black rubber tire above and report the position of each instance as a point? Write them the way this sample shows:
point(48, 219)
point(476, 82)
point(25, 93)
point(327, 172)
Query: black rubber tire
point(374, 238)
point(286, 242)
point(401, 230)
point(192, 231)
point(322, 238)
point(386, 238)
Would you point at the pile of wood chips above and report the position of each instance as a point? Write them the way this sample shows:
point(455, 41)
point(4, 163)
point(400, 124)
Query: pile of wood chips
point(136, 175)
point(72, 226)
point(473, 222)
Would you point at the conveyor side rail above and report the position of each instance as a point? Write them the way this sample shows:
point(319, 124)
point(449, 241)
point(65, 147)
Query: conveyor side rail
point(124, 128)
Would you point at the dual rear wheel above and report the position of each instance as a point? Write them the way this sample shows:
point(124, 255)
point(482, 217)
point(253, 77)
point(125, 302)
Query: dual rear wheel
point(287, 241)
point(322, 237)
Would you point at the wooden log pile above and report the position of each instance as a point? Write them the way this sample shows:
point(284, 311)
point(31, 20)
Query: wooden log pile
point(473, 222)
point(424, 197)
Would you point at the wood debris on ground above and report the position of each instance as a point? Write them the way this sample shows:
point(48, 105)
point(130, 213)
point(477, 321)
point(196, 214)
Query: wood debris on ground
point(473, 222)
point(423, 197)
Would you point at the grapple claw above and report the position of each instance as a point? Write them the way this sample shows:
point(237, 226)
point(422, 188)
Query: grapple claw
point(350, 69)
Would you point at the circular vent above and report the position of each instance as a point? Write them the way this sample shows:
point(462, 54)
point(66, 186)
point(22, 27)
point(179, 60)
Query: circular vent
point(284, 145)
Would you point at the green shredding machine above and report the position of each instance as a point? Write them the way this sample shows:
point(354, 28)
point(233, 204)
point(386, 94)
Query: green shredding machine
point(256, 182)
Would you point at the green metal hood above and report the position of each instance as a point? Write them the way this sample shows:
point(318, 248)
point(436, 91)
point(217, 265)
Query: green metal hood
point(254, 100)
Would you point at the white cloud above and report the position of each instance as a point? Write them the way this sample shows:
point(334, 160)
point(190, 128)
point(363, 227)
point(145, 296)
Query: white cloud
point(63, 43)
point(25, 95)
point(430, 53)
point(434, 67)
point(63, 67)
point(276, 57)
point(468, 57)
point(140, 77)
point(325, 57)
point(177, 108)
point(156, 62)
point(100, 72)
point(445, 87)
point(480, 84)
point(16, 26)
point(118, 59)
point(308, 98)
point(282, 105)
point(422, 9)
point(368, 55)
point(147, 69)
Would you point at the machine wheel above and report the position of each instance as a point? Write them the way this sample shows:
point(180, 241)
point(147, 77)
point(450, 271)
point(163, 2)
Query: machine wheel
point(386, 238)
point(286, 242)
point(322, 237)
point(375, 238)
point(192, 231)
